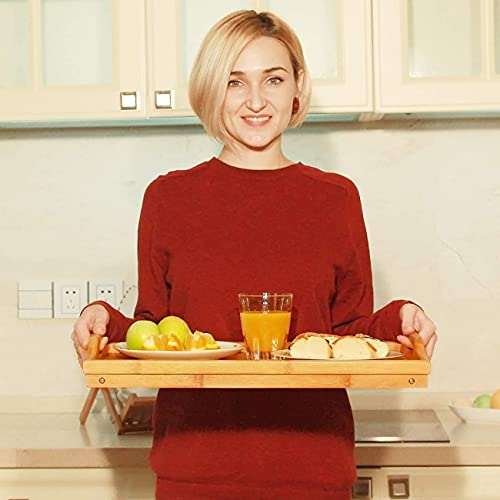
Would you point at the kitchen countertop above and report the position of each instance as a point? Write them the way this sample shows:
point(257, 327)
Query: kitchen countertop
point(57, 440)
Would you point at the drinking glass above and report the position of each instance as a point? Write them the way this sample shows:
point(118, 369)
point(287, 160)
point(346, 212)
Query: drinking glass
point(265, 322)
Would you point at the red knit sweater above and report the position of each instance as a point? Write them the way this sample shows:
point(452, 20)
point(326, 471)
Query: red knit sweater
point(212, 231)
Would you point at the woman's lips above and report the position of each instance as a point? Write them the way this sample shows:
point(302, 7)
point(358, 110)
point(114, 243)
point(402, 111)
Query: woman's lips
point(256, 121)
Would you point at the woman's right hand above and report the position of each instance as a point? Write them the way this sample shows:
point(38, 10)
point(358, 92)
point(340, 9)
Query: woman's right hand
point(93, 320)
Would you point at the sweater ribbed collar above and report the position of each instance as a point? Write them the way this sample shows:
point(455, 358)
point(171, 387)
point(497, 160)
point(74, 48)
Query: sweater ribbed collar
point(250, 173)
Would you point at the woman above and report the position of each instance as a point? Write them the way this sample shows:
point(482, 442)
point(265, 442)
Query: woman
point(253, 220)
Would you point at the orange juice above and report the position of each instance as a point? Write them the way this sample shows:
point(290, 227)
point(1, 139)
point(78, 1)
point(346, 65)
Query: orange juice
point(265, 331)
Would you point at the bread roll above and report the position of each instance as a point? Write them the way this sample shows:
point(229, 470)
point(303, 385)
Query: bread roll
point(381, 347)
point(352, 347)
point(325, 346)
point(310, 346)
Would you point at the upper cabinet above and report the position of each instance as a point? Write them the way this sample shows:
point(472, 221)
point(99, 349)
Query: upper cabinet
point(130, 60)
point(175, 31)
point(337, 41)
point(336, 37)
point(79, 59)
point(436, 55)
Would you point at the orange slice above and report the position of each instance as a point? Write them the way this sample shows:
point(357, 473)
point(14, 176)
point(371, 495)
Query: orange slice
point(200, 341)
point(163, 343)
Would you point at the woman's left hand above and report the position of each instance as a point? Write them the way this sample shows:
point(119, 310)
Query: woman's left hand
point(414, 320)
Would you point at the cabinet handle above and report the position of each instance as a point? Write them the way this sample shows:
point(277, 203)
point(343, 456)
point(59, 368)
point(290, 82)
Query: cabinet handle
point(164, 99)
point(399, 486)
point(128, 100)
point(362, 489)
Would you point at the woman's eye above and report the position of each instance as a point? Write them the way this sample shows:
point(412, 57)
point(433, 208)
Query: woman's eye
point(234, 83)
point(275, 80)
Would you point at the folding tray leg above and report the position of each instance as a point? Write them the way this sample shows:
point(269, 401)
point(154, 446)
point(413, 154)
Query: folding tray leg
point(112, 410)
point(88, 405)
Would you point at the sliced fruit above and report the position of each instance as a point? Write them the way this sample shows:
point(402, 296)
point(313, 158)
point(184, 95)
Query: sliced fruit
point(200, 341)
point(495, 400)
point(482, 401)
point(174, 325)
point(163, 343)
point(155, 343)
point(139, 332)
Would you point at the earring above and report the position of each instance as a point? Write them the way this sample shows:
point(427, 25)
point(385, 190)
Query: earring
point(295, 105)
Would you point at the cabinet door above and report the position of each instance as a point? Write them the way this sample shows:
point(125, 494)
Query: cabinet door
point(335, 34)
point(71, 59)
point(336, 39)
point(437, 55)
point(175, 31)
point(437, 483)
point(77, 484)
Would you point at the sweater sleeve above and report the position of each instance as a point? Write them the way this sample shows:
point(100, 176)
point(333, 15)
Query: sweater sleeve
point(352, 305)
point(153, 298)
point(154, 293)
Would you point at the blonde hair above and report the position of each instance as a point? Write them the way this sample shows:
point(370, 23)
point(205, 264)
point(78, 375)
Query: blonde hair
point(216, 58)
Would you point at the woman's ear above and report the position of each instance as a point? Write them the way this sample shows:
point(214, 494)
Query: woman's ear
point(299, 81)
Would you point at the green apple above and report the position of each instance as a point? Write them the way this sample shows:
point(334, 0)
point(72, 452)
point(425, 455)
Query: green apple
point(175, 325)
point(139, 331)
point(482, 401)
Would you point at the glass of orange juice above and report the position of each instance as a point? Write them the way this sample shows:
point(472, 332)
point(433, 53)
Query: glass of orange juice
point(265, 322)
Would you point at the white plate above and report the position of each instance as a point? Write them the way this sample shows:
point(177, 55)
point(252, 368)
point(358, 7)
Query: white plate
point(285, 354)
point(465, 411)
point(226, 349)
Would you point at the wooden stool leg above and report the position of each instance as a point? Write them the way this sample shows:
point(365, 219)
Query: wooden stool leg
point(88, 405)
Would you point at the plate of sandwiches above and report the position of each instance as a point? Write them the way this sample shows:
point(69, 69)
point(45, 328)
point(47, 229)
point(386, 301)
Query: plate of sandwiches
point(337, 348)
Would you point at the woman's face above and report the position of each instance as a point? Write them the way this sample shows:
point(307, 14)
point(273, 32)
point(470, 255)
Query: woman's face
point(259, 97)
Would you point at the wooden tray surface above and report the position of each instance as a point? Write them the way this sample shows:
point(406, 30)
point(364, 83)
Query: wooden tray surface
point(113, 369)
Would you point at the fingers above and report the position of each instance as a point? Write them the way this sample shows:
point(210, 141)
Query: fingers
point(430, 345)
point(408, 315)
point(79, 350)
point(93, 320)
point(426, 328)
point(413, 319)
point(403, 339)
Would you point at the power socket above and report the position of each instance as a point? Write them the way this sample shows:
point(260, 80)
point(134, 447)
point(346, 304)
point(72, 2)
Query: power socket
point(107, 290)
point(69, 298)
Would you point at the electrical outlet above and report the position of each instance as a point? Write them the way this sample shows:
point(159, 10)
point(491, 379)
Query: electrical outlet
point(69, 298)
point(108, 290)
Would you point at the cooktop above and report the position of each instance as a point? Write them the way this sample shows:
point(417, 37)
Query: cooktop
point(398, 426)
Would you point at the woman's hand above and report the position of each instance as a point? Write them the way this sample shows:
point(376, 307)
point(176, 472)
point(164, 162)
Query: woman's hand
point(414, 320)
point(93, 320)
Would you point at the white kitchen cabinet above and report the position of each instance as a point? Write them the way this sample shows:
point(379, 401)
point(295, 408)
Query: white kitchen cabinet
point(131, 59)
point(82, 59)
point(428, 483)
point(336, 36)
point(77, 484)
point(436, 55)
point(175, 31)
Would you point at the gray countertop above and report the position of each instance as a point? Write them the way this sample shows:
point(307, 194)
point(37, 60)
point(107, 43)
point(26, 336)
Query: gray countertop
point(57, 440)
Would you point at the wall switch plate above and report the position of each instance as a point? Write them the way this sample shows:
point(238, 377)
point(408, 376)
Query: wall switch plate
point(70, 297)
point(34, 299)
point(107, 290)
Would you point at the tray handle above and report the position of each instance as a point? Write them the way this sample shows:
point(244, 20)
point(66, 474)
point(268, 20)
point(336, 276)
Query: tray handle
point(419, 351)
point(93, 347)
point(109, 351)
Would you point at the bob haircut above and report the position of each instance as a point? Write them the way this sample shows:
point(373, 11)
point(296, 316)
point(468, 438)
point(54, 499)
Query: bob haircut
point(217, 56)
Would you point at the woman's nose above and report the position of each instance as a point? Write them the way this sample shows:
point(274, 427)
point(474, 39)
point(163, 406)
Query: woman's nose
point(256, 99)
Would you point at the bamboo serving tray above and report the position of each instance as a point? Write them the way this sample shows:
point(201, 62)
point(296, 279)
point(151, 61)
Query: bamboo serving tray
point(110, 369)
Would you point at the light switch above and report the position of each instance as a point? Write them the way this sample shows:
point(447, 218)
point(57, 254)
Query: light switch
point(34, 299)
